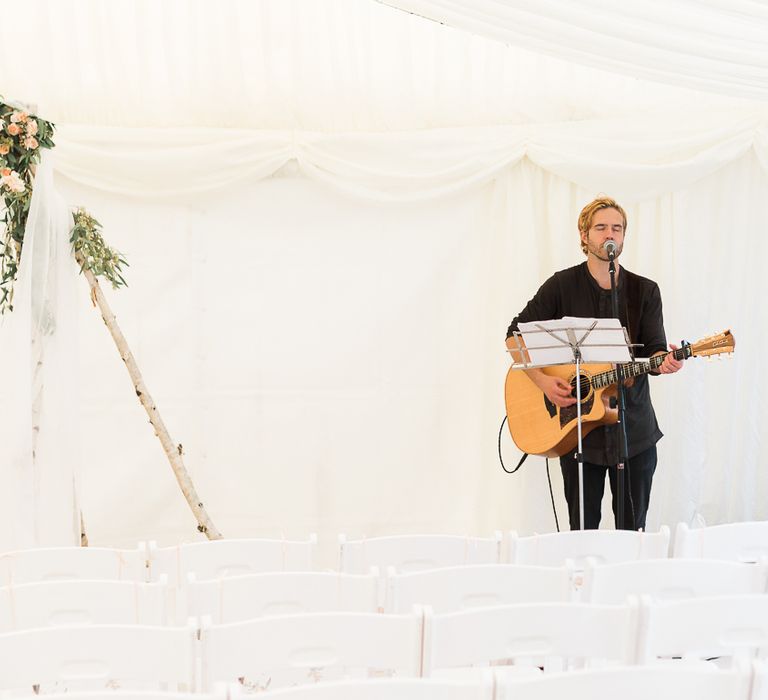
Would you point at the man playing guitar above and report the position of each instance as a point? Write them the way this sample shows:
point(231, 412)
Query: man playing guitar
point(584, 291)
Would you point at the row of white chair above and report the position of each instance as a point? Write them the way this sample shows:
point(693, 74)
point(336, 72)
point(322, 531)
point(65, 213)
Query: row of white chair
point(450, 589)
point(747, 682)
point(208, 560)
point(629, 683)
point(287, 650)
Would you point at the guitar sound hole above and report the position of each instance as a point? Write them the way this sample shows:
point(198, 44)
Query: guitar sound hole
point(586, 387)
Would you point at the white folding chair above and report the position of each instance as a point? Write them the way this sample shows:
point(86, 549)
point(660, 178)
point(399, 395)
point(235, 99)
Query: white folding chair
point(630, 683)
point(219, 693)
point(66, 563)
point(759, 680)
point(724, 627)
point(604, 546)
point(670, 579)
point(274, 651)
point(64, 603)
point(458, 588)
point(387, 689)
point(407, 553)
point(745, 542)
point(90, 657)
point(220, 558)
point(553, 635)
point(287, 592)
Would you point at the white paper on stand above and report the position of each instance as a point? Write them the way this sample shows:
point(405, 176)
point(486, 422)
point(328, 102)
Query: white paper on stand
point(606, 342)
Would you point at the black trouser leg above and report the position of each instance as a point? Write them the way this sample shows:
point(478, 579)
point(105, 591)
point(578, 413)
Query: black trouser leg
point(637, 484)
point(594, 486)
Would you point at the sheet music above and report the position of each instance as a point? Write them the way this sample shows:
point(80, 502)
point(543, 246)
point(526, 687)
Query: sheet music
point(549, 342)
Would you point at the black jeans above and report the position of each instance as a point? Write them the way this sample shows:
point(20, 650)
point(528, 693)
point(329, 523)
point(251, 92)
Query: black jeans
point(637, 489)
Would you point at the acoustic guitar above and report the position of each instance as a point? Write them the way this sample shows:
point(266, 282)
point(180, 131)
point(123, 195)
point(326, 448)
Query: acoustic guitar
point(539, 427)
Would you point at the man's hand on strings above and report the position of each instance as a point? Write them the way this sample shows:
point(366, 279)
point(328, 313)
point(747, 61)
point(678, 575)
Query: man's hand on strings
point(557, 390)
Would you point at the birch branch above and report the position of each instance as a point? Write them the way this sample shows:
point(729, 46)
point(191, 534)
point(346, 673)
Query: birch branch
point(172, 451)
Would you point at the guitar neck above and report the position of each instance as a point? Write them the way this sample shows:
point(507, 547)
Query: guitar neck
point(634, 369)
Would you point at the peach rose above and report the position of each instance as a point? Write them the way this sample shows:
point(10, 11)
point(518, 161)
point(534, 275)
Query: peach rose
point(13, 129)
point(4, 149)
point(31, 127)
point(30, 142)
point(19, 117)
point(12, 180)
point(5, 172)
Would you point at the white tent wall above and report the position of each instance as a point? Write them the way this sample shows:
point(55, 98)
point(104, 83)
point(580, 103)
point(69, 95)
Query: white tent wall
point(333, 209)
point(310, 351)
point(333, 364)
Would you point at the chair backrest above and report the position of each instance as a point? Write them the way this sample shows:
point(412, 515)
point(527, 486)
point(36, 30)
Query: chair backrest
point(671, 579)
point(745, 542)
point(98, 656)
point(284, 593)
point(759, 680)
point(465, 587)
point(221, 558)
point(390, 689)
point(64, 603)
point(67, 563)
point(220, 693)
point(603, 546)
point(408, 553)
point(556, 635)
point(723, 626)
point(273, 651)
point(659, 683)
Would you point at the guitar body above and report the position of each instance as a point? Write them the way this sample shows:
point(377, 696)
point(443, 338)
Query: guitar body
point(539, 427)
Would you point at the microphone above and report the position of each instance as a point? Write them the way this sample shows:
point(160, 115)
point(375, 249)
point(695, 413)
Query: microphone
point(610, 247)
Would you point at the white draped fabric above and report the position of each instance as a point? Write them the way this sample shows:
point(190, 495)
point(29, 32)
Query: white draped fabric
point(716, 45)
point(641, 158)
point(332, 211)
point(39, 430)
point(356, 65)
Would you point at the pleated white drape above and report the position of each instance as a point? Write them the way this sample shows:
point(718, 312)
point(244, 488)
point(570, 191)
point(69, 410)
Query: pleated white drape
point(357, 65)
point(641, 158)
point(715, 45)
point(39, 428)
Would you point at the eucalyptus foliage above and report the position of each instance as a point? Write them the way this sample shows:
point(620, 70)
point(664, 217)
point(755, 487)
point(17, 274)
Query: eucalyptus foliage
point(93, 253)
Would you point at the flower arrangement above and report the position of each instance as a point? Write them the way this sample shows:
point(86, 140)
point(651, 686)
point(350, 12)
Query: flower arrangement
point(22, 137)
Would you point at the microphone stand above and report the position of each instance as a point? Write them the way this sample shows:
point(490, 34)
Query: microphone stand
point(621, 426)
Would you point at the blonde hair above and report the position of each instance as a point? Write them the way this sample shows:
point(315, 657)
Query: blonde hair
point(589, 211)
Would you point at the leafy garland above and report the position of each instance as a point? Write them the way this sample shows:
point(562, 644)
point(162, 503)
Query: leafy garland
point(22, 138)
point(89, 247)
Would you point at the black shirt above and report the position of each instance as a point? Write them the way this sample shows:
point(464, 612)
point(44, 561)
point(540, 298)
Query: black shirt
point(574, 292)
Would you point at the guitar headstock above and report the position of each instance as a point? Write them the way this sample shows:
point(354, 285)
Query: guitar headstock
point(717, 344)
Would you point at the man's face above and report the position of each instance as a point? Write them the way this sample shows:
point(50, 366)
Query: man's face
point(607, 225)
